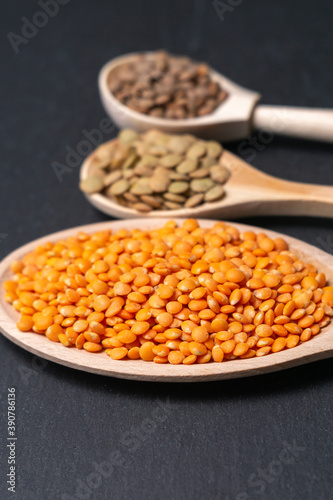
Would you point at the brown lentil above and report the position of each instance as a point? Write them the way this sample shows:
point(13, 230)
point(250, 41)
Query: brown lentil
point(166, 86)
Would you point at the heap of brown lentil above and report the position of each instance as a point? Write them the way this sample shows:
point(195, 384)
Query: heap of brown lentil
point(165, 86)
point(171, 295)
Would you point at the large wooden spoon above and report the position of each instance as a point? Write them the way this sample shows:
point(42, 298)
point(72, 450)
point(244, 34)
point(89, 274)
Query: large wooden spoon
point(234, 119)
point(319, 347)
point(248, 192)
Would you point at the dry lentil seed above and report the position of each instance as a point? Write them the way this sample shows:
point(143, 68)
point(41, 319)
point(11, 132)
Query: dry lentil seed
point(187, 166)
point(178, 187)
point(235, 275)
point(159, 182)
point(101, 303)
point(92, 184)
point(134, 353)
point(194, 201)
point(118, 353)
point(196, 150)
point(293, 328)
point(279, 344)
point(42, 322)
point(200, 334)
point(214, 149)
point(126, 336)
point(197, 348)
point(204, 358)
point(170, 161)
point(175, 357)
point(201, 185)
point(228, 346)
point(189, 360)
point(120, 187)
point(64, 340)
point(217, 354)
point(240, 349)
point(265, 341)
point(171, 205)
point(214, 193)
point(263, 351)
point(306, 321)
point(305, 335)
point(92, 347)
point(199, 174)
point(264, 330)
point(219, 174)
point(141, 207)
point(160, 359)
point(327, 297)
point(146, 351)
point(292, 341)
point(177, 198)
point(91, 337)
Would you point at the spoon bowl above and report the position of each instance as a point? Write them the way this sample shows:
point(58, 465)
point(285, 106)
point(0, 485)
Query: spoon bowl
point(248, 192)
point(230, 121)
point(234, 119)
point(319, 347)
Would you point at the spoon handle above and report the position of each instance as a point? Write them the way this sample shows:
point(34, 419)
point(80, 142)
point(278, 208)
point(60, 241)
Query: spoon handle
point(306, 123)
point(281, 197)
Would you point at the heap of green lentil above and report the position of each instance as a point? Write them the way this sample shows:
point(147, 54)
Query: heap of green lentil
point(157, 171)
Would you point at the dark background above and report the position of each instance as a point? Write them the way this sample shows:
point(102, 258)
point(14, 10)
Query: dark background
point(219, 441)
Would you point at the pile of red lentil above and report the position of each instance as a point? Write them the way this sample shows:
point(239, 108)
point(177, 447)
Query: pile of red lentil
point(175, 294)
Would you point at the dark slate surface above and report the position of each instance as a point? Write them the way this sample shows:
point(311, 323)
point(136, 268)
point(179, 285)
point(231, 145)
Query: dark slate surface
point(258, 438)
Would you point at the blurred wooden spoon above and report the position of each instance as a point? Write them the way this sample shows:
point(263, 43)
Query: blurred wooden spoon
point(248, 192)
point(238, 116)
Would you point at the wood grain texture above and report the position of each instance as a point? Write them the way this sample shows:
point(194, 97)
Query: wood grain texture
point(317, 348)
point(248, 192)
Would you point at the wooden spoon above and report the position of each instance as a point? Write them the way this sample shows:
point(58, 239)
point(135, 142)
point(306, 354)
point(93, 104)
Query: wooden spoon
point(234, 119)
point(248, 192)
point(319, 347)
